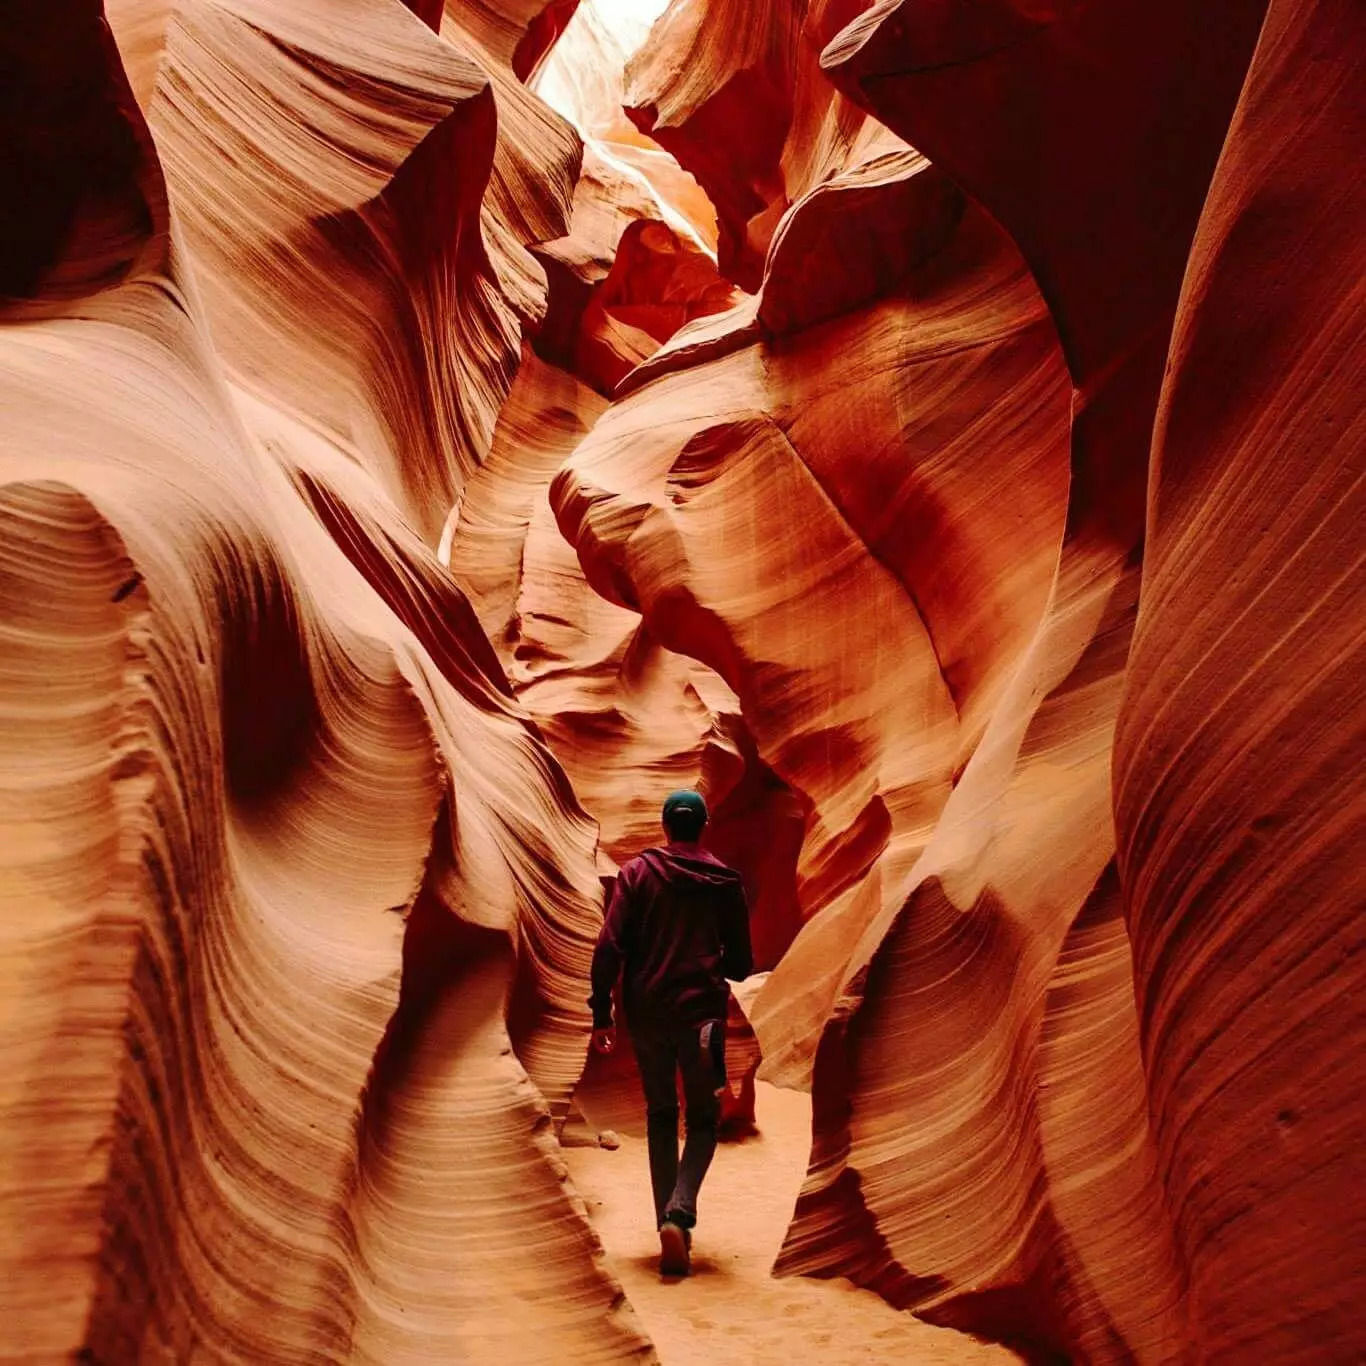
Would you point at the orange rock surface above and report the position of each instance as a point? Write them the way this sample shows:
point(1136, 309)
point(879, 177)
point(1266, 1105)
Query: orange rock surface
point(1238, 756)
point(433, 432)
point(250, 727)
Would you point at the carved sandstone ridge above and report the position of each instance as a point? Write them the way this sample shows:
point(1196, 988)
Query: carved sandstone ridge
point(881, 215)
point(249, 729)
point(735, 92)
point(355, 279)
point(1007, 904)
point(321, 172)
point(627, 718)
point(395, 469)
point(1238, 759)
point(746, 460)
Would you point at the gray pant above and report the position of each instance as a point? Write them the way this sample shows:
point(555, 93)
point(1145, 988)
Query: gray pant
point(697, 1052)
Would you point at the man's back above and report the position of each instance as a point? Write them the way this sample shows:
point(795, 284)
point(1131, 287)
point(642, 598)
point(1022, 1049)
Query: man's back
point(679, 926)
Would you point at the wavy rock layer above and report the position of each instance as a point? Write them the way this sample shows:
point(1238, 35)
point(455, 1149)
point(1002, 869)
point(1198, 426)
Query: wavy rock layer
point(784, 491)
point(736, 94)
point(628, 718)
point(1049, 1245)
point(934, 431)
point(295, 990)
point(1238, 777)
point(755, 466)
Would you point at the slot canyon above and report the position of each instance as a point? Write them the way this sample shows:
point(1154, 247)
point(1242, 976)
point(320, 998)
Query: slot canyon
point(430, 433)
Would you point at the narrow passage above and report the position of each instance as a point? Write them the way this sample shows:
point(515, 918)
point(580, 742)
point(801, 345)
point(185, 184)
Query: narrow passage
point(731, 1309)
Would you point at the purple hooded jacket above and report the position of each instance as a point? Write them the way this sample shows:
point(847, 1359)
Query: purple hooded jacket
point(677, 926)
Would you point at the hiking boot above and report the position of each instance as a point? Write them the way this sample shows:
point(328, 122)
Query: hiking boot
point(675, 1249)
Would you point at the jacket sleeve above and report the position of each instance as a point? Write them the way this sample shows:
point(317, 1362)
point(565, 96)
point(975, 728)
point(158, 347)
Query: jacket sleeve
point(610, 953)
point(737, 958)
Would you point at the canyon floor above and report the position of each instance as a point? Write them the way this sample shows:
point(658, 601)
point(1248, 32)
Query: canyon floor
point(731, 1309)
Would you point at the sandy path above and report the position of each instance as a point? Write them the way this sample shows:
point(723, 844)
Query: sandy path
point(730, 1309)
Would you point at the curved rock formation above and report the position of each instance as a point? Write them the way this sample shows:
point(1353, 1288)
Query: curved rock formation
point(736, 94)
point(753, 475)
point(250, 729)
point(1238, 760)
point(941, 1173)
point(972, 993)
point(933, 430)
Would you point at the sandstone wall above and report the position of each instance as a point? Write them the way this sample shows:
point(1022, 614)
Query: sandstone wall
point(432, 433)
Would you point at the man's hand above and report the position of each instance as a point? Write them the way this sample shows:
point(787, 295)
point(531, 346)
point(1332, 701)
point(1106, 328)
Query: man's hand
point(604, 1040)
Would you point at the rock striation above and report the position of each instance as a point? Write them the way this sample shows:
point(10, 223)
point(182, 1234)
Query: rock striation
point(1238, 799)
point(998, 1142)
point(432, 432)
point(297, 902)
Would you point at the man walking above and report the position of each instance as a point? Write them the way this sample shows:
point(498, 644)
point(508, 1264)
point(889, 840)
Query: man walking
point(677, 926)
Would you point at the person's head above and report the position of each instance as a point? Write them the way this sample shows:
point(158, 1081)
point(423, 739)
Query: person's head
point(685, 814)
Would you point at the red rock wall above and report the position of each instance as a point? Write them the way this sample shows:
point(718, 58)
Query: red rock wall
point(953, 1187)
point(934, 431)
point(1238, 757)
point(298, 906)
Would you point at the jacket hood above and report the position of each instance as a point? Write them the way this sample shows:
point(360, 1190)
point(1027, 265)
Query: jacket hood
point(678, 865)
